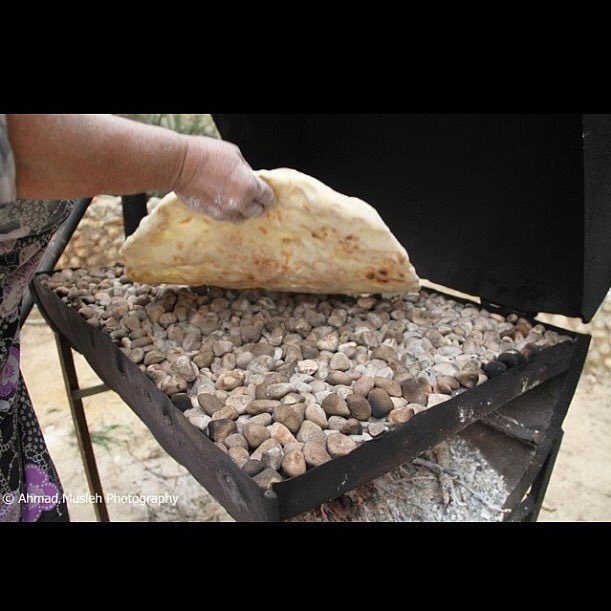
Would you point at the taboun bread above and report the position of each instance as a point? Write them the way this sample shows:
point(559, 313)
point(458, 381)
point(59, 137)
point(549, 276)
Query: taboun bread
point(314, 240)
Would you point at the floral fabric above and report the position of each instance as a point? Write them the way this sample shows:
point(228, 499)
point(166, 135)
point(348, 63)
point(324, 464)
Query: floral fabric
point(29, 486)
point(7, 165)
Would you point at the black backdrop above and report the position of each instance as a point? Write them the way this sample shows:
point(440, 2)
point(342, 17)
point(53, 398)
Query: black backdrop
point(511, 208)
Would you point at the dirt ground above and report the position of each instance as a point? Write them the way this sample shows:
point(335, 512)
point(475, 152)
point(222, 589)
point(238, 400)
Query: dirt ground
point(132, 463)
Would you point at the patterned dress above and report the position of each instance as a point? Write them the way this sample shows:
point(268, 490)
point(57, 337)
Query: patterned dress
point(30, 490)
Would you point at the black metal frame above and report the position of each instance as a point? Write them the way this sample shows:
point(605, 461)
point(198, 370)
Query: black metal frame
point(555, 367)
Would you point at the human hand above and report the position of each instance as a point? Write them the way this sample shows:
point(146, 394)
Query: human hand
point(216, 180)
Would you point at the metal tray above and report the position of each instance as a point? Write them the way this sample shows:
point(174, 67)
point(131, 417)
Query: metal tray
point(235, 490)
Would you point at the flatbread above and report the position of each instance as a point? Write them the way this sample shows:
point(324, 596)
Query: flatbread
point(314, 240)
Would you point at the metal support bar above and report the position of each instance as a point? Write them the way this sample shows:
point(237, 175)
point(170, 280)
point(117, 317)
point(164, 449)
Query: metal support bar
point(81, 393)
point(55, 250)
point(512, 428)
point(80, 425)
point(134, 210)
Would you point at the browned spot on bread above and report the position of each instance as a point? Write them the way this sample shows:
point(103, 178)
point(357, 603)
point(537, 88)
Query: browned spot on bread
point(266, 265)
point(349, 245)
point(381, 275)
point(186, 220)
point(370, 275)
point(263, 230)
point(322, 233)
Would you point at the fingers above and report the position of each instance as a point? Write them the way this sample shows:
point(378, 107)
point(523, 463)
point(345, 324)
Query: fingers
point(264, 194)
point(232, 216)
point(225, 210)
point(228, 189)
point(254, 210)
point(263, 198)
point(257, 196)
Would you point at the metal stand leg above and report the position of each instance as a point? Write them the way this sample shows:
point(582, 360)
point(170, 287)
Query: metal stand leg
point(539, 487)
point(80, 424)
point(528, 510)
point(134, 210)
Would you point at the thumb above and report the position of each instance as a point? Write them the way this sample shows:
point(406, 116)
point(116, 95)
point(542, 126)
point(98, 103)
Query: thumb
point(264, 194)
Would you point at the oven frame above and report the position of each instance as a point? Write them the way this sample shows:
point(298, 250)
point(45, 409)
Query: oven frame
point(515, 420)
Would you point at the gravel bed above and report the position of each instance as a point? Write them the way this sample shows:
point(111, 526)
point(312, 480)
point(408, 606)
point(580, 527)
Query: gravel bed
point(284, 382)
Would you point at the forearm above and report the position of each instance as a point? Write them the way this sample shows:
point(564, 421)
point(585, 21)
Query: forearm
point(69, 156)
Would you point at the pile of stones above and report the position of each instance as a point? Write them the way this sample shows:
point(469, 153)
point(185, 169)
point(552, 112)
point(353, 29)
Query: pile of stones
point(285, 382)
point(99, 235)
